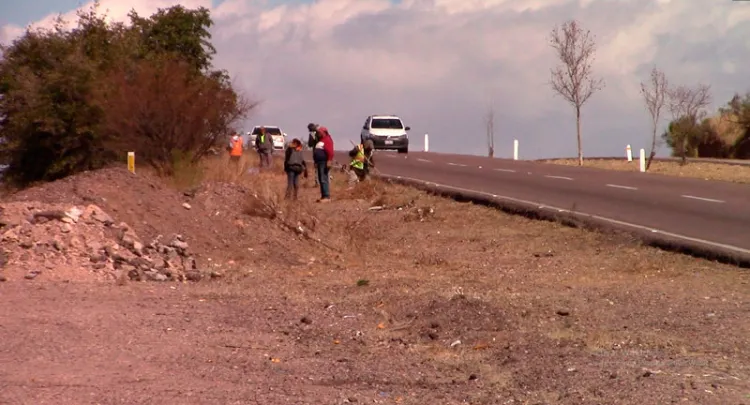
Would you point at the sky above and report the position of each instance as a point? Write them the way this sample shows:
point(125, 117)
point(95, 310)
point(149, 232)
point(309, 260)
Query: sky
point(441, 65)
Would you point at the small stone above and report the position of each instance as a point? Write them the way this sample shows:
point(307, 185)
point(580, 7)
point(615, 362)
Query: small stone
point(186, 206)
point(179, 245)
point(97, 214)
point(306, 320)
point(26, 243)
point(65, 228)
point(10, 235)
point(153, 275)
point(473, 377)
point(72, 215)
point(97, 258)
point(563, 312)
point(188, 263)
point(3, 278)
point(32, 274)
point(110, 250)
point(132, 272)
point(58, 245)
point(159, 263)
point(193, 275)
point(216, 274)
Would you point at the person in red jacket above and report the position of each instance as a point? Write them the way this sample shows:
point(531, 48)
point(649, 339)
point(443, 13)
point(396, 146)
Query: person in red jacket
point(323, 158)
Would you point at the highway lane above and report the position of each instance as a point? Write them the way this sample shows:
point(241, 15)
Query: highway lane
point(713, 211)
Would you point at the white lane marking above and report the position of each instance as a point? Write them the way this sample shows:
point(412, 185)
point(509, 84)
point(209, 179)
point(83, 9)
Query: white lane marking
point(456, 164)
point(505, 170)
point(583, 214)
point(424, 160)
point(703, 199)
point(623, 187)
point(558, 177)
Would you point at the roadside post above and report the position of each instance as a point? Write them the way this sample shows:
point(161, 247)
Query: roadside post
point(629, 153)
point(643, 160)
point(131, 162)
point(426, 143)
point(515, 149)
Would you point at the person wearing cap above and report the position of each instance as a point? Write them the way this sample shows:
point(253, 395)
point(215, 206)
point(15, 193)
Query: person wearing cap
point(323, 159)
point(312, 140)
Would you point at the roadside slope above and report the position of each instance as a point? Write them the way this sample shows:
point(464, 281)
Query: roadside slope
point(388, 295)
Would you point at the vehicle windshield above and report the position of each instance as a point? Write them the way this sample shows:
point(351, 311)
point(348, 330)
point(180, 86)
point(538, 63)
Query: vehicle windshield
point(269, 131)
point(386, 123)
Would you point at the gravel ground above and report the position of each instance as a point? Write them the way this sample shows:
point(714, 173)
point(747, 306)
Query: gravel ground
point(418, 300)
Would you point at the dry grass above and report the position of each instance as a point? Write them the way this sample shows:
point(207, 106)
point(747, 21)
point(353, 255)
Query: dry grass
point(439, 272)
point(706, 171)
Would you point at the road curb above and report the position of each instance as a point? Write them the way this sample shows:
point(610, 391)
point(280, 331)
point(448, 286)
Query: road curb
point(653, 238)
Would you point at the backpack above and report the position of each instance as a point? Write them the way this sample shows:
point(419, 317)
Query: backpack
point(296, 161)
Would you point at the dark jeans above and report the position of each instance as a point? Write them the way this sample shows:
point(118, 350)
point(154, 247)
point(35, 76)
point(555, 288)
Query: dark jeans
point(361, 173)
point(292, 184)
point(323, 180)
point(265, 159)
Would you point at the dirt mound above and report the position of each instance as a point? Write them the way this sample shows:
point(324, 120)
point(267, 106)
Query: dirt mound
point(84, 242)
point(211, 219)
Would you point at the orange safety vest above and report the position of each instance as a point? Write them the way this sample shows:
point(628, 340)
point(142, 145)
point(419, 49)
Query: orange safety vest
point(237, 148)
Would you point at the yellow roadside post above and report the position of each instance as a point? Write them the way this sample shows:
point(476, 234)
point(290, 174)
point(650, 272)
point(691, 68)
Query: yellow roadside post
point(131, 162)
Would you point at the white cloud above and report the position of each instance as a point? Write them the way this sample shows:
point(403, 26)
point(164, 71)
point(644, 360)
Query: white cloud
point(439, 62)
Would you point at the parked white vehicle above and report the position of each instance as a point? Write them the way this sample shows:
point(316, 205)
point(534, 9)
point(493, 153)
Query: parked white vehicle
point(278, 136)
point(386, 132)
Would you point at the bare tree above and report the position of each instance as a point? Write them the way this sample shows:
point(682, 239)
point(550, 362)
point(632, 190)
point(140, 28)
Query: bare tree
point(687, 107)
point(490, 126)
point(655, 94)
point(573, 79)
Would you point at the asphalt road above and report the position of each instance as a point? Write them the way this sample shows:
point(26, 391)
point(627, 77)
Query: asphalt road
point(709, 211)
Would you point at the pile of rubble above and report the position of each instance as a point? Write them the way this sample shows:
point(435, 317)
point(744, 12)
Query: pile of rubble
point(83, 243)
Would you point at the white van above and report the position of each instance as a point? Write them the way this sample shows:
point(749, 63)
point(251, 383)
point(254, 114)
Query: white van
point(386, 132)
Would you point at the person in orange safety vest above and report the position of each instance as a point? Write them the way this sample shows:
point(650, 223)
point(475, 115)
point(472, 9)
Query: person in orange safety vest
point(235, 148)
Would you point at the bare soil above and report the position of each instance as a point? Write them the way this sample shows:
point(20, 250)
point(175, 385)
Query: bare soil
point(707, 171)
point(419, 300)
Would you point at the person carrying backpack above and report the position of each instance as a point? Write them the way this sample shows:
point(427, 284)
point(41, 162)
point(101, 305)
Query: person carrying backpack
point(294, 165)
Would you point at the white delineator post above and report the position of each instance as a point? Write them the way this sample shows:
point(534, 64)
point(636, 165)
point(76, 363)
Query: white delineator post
point(426, 143)
point(515, 149)
point(629, 153)
point(643, 160)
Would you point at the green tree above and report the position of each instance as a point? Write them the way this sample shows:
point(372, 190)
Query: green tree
point(177, 31)
point(737, 111)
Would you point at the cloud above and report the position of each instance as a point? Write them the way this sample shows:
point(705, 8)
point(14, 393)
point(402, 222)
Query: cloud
point(440, 64)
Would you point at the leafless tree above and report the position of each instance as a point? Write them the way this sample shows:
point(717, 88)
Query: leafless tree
point(573, 79)
point(655, 94)
point(490, 126)
point(687, 107)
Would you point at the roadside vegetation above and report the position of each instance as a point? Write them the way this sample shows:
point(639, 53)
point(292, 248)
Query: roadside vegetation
point(78, 99)
point(691, 132)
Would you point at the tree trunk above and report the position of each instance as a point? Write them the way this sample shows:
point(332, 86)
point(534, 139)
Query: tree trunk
point(653, 149)
point(578, 133)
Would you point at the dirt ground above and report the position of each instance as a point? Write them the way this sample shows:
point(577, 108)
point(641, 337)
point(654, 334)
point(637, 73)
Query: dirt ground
point(385, 295)
point(707, 171)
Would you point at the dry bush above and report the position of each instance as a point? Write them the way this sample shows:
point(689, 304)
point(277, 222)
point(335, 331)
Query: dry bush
point(164, 111)
point(368, 190)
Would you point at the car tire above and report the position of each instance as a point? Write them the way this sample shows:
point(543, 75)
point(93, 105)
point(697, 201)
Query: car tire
point(404, 150)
